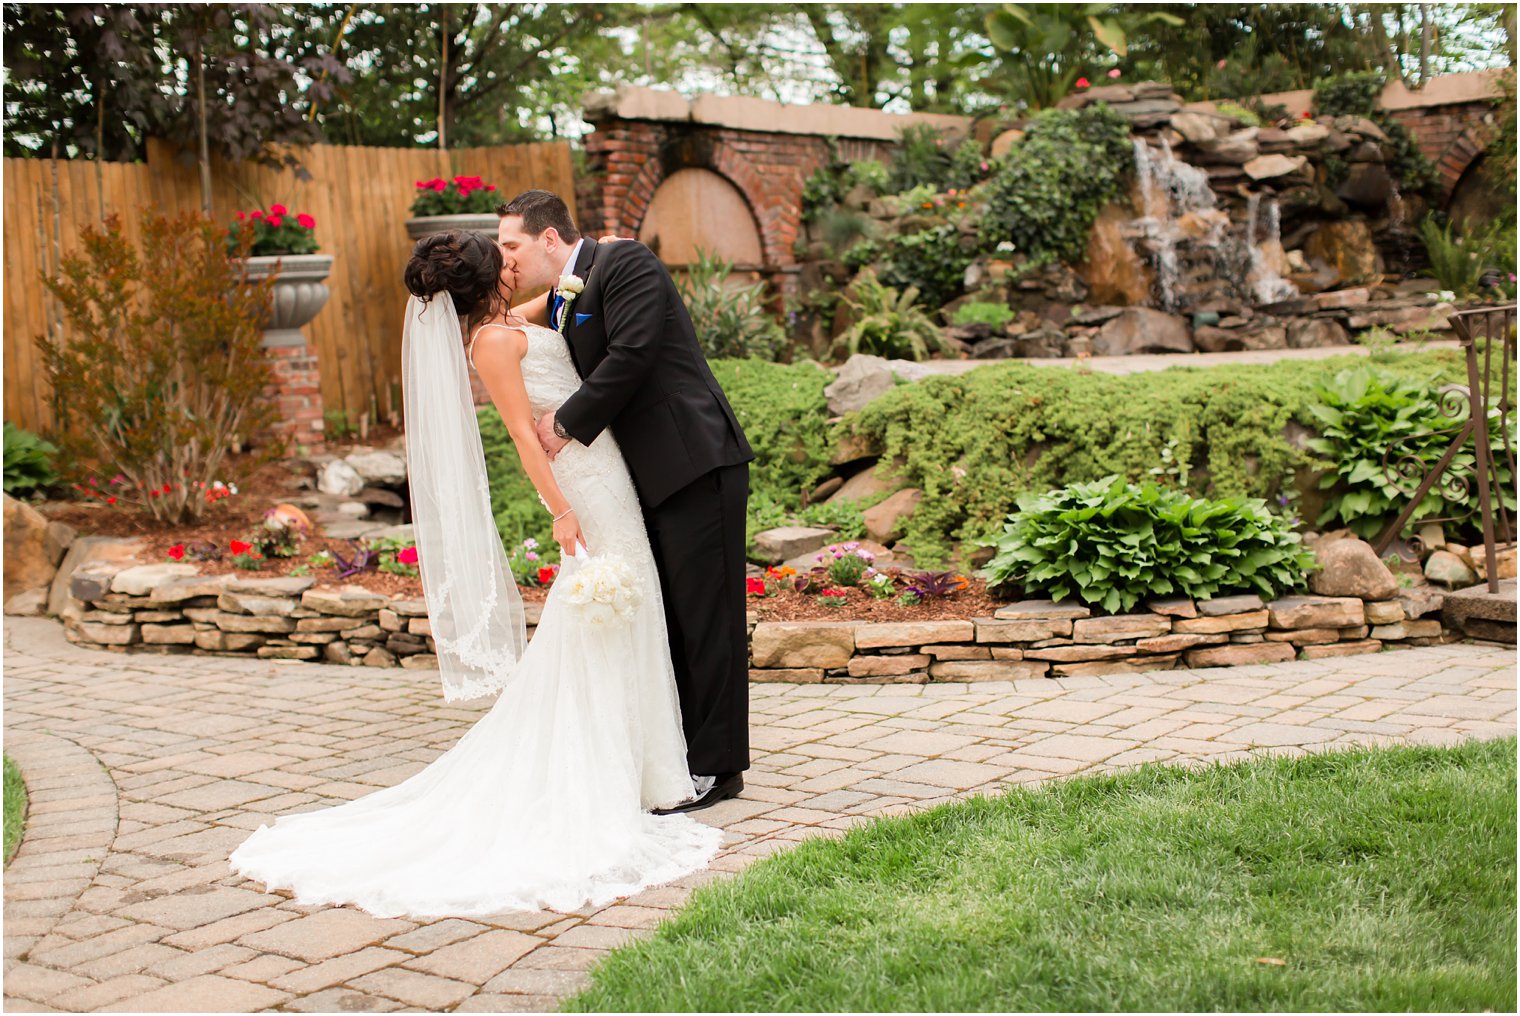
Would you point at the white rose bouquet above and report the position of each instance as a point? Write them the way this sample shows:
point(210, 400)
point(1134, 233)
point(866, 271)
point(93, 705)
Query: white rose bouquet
point(603, 589)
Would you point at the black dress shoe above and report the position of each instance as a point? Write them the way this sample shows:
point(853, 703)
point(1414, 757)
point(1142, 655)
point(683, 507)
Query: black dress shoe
point(725, 786)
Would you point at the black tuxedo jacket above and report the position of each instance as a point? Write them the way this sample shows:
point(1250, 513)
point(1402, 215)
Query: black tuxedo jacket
point(644, 374)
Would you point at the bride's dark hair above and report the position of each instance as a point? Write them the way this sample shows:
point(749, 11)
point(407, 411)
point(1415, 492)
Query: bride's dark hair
point(463, 264)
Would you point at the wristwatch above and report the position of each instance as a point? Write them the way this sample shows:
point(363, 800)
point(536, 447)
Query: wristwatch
point(559, 428)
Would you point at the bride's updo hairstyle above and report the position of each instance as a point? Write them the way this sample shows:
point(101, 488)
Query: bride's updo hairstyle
point(463, 264)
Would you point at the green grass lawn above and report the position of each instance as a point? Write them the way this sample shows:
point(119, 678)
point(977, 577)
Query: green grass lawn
point(1366, 880)
point(15, 808)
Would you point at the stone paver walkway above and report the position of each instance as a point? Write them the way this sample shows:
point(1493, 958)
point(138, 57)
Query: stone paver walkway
point(145, 771)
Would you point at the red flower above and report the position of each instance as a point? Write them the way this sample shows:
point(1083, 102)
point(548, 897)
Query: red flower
point(546, 575)
point(1114, 73)
point(490, 186)
point(239, 547)
point(241, 216)
point(275, 220)
point(306, 221)
point(256, 216)
point(438, 185)
point(111, 499)
point(1306, 115)
point(177, 552)
point(754, 586)
point(1083, 82)
point(278, 209)
point(407, 556)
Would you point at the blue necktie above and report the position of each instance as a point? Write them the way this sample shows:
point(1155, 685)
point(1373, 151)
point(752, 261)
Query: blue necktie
point(555, 303)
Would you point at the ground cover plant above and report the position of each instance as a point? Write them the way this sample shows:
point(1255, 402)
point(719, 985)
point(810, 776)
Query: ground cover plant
point(1366, 880)
point(15, 808)
point(974, 443)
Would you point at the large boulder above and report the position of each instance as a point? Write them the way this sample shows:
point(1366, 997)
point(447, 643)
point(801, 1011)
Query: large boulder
point(1143, 330)
point(884, 522)
point(29, 562)
point(1367, 185)
point(1197, 126)
point(106, 554)
point(1347, 247)
point(1447, 569)
point(1352, 568)
point(862, 379)
point(340, 479)
point(385, 468)
point(1308, 333)
point(1268, 167)
point(1235, 149)
point(776, 545)
point(864, 484)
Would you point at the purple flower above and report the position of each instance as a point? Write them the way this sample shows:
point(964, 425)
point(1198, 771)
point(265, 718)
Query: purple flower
point(531, 556)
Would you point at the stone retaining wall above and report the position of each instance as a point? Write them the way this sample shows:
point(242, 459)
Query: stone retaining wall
point(167, 608)
point(1038, 638)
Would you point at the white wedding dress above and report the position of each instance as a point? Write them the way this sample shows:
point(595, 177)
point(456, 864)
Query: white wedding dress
point(542, 804)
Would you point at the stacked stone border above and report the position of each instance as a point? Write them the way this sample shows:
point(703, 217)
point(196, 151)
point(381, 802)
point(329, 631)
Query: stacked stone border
point(156, 608)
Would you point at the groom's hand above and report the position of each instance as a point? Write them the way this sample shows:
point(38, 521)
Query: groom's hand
point(551, 441)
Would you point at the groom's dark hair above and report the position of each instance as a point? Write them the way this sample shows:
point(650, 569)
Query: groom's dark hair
point(540, 210)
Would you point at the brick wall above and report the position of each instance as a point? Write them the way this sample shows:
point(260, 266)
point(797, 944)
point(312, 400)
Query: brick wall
point(629, 159)
point(1451, 136)
point(297, 391)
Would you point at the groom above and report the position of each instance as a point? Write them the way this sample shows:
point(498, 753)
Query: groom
point(645, 377)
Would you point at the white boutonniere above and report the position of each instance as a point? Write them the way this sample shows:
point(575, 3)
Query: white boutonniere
point(569, 287)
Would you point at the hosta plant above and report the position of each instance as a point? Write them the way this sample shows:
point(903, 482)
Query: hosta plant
point(1113, 544)
point(28, 462)
point(1379, 435)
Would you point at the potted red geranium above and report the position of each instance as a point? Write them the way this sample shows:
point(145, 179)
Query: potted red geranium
point(465, 202)
point(285, 245)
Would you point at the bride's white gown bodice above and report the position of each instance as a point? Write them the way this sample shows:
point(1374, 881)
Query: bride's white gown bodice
point(543, 802)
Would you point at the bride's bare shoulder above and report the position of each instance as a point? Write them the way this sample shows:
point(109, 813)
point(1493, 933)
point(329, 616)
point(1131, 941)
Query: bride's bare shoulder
point(498, 338)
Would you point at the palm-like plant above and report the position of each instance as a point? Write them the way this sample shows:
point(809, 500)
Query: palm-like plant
point(1046, 42)
point(889, 324)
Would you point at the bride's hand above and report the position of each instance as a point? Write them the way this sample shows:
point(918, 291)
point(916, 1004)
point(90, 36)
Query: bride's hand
point(567, 532)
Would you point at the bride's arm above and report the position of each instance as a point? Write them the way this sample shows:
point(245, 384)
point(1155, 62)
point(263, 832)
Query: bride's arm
point(498, 360)
point(534, 311)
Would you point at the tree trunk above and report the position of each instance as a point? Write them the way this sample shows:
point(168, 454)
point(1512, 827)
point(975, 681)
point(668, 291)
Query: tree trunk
point(203, 154)
point(1427, 34)
point(443, 78)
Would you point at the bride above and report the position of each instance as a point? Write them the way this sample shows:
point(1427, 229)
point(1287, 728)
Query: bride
point(545, 802)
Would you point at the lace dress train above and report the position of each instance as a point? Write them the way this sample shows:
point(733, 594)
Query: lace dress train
point(543, 803)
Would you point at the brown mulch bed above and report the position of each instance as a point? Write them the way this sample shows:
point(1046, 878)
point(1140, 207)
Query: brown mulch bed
point(260, 489)
point(973, 601)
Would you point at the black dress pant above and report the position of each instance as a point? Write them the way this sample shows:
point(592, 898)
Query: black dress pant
point(697, 535)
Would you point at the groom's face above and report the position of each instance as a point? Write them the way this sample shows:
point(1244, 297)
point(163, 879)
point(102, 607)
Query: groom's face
point(534, 261)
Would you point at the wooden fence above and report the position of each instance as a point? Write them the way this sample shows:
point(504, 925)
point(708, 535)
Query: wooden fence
point(359, 197)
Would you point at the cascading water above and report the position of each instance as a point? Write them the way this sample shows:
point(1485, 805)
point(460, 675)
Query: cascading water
point(1188, 237)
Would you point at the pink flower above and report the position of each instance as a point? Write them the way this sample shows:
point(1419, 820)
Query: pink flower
point(407, 556)
point(278, 209)
point(1114, 73)
point(1083, 82)
point(306, 221)
point(1221, 65)
point(275, 220)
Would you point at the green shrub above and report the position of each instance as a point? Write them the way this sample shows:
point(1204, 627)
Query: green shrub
point(871, 172)
point(840, 228)
point(729, 321)
point(1050, 187)
point(921, 160)
point(1372, 424)
point(974, 443)
point(933, 261)
point(847, 518)
point(1113, 544)
point(162, 369)
point(1461, 262)
point(1231, 109)
point(861, 254)
point(784, 414)
point(888, 323)
point(981, 312)
point(28, 462)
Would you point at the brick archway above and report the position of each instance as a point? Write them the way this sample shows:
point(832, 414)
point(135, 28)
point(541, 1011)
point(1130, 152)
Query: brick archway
point(1461, 155)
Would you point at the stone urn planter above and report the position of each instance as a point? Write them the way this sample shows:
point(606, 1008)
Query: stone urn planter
point(484, 223)
point(299, 293)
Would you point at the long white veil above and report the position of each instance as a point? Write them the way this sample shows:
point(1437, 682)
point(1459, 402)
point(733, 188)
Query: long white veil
point(472, 600)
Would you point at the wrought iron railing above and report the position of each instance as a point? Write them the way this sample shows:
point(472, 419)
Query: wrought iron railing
point(1486, 407)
